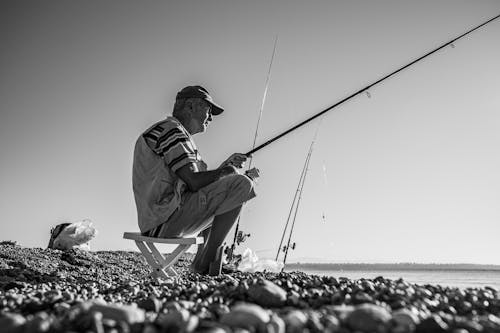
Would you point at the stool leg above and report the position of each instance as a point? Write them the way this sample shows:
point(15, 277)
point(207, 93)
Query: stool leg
point(178, 252)
point(157, 269)
point(164, 263)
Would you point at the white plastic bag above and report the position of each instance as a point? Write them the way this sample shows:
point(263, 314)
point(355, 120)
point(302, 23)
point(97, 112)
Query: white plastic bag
point(76, 236)
point(251, 263)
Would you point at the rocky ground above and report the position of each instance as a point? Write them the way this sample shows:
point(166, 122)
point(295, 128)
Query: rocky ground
point(44, 290)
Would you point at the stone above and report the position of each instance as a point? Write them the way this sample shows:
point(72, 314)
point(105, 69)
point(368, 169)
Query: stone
point(219, 309)
point(314, 322)
point(405, 320)
point(246, 315)
point(369, 318)
point(148, 328)
point(293, 298)
point(331, 323)
point(469, 326)
point(212, 327)
point(96, 322)
point(267, 293)
point(433, 324)
point(339, 311)
point(150, 304)
point(295, 321)
point(126, 313)
point(39, 323)
point(276, 325)
point(178, 320)
point(12, 322)
point(361, 297)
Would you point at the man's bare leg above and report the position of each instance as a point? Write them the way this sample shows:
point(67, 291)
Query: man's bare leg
point(218, 232)
point(199, 252)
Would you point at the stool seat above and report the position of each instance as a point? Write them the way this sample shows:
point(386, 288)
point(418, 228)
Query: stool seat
point(162, 265)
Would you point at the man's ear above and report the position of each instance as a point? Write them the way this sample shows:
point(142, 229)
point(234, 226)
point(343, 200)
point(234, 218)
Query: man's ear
point(192, 105)
point(189, 104)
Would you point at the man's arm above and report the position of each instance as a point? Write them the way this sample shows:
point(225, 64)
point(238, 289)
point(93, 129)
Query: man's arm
point(196, 179)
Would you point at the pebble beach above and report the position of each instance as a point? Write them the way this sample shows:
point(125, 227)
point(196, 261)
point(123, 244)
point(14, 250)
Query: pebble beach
point(46, 290)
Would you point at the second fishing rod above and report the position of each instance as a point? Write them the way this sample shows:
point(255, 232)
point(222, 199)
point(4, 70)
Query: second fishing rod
point(368, 87)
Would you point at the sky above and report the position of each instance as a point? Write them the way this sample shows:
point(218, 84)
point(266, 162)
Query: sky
point(409, 174)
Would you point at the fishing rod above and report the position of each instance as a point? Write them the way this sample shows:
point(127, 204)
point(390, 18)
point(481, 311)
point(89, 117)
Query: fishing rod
point(287, 248)
point(295, 203)
point(291, 207)
point(238, 235)
point(368, 87)
point(298, 193)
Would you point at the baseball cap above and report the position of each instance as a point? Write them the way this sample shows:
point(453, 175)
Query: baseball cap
point(200, 92)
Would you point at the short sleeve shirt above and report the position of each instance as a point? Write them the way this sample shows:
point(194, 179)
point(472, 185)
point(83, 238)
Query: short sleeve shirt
point(159, 152)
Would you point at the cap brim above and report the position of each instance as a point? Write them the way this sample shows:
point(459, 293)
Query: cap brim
point(216, 109)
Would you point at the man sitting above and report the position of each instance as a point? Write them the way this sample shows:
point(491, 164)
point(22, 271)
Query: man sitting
point(175, 194)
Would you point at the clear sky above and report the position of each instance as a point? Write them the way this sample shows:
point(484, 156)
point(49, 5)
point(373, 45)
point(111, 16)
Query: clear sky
point(412, 173)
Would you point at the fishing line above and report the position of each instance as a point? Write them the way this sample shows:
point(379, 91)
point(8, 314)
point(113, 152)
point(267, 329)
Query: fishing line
point(325, 179)
point(263, 99)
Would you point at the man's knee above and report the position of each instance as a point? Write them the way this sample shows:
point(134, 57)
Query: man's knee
point(242, 183)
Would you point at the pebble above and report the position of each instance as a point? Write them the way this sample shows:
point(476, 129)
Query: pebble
point(471, 327)
point(12, 322)
point(433, 324)
point(361, 297)
point(113, 292)
point(246, 315)
point(267, 293)
point(331, 323)
point(276, 325)
point(405, 320)
point(126, 313)
point(369, 318)
point(150, 304)
point(61, 308)
point(212, 327)
point(178, 320)
point(39, 323)
point(295, 321)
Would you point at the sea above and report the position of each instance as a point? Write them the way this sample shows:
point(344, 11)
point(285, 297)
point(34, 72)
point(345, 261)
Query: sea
point(448, 278)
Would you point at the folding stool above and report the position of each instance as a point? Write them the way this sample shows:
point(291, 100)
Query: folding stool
point(162, 266)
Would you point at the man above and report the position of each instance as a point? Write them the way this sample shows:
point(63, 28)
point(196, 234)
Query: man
point(174, 192)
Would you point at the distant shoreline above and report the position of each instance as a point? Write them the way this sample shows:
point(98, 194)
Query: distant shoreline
point(391, 267)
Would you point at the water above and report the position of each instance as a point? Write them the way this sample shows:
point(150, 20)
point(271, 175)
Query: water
point(450, 278)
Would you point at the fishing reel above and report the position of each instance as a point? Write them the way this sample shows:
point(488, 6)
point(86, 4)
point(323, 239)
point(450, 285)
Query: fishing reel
point(292, 247)
point(241, 237)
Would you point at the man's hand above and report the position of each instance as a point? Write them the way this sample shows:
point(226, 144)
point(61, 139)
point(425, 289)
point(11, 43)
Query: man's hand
point(253, 173)
point(228, 170)
point(237, 159)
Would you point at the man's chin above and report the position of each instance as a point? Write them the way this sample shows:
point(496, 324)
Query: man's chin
point(202, 129)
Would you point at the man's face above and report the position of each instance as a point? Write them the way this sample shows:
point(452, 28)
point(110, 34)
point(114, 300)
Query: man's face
point(201, 116)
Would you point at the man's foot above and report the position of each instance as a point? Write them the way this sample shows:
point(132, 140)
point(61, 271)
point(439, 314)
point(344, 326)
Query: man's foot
point(197, 269)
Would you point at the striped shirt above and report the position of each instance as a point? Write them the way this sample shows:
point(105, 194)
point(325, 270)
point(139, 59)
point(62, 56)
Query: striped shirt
point(159, 152)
